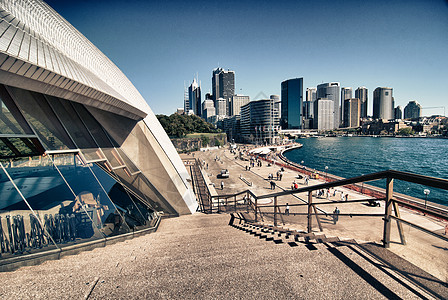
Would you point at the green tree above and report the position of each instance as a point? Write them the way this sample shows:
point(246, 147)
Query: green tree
point(205, 140)
point(405, 131)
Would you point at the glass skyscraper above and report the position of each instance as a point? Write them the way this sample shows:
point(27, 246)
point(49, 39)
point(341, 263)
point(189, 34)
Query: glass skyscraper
point(330, 91)
point(292, 104)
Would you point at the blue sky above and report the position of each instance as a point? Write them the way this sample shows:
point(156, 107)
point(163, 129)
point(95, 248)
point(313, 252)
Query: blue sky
point(159, 45)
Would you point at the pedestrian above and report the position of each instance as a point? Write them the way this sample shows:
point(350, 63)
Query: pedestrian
point(328, 194)
point(346, 197)
point(336, 213)
point(287, 209)
point(246, 168)
point(342, 196)
point(222, 185)
point(446, 229)
point(296, 186)
point(281, 175)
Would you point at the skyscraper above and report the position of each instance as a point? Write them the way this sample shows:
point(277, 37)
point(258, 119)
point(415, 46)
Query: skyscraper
point(362, 94)
point(352, 112)
point(412, 110)
point(208, 109)
point(292, 103)
point(194, 97)
point(323, 114)
point(346, 93)
point(383, 103)
point(398, 112)
point(236, 102)
point(330, 91)
point(311, 96)
point(223, 86)
point(260, 121)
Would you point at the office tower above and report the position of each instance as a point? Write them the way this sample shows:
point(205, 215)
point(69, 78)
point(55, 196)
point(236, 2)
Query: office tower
point(352, 112)
point(260, 121)
point(85, 153)
point(194, 97)
point(330, 91)
point(362, 94)
point(398, 113)
point(223, 86)
point(292, 103)
point(413, 110)
point(208, 109)
point(221, 107)
point(383, 103)
point(323, 114)
point(236, 102)
point(311, 96)
point(346, 93)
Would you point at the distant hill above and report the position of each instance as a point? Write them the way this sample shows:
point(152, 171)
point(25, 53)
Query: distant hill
point(180, 125)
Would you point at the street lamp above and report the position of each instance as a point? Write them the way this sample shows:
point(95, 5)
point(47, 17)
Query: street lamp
point(326, 170)
point(303, 167)
point(426, 192)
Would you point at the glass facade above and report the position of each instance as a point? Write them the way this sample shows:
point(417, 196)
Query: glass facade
point(63, 180)
point(292, 104)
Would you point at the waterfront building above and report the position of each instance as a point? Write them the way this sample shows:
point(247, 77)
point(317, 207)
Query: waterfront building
point(362, 94)
point(223, 86)
point(83, 157)
point(346, 93)
point(323, 114)
point(232, 128)
point(413, 110)
point(330, 91)
point(398, 113)
point(236, 102)
point(208, 109)
point(352, 112)
point(260, 121)
point(292, 103)
point(383, 103)
point(194, 97)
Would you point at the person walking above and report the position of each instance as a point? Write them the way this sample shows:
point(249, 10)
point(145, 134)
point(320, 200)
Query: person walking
point(287, 209)
point(222, 185)
point(336, 213)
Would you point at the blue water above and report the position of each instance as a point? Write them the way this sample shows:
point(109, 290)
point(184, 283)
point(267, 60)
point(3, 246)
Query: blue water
point(353, 156)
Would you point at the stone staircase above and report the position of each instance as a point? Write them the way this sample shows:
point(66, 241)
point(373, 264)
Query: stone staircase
point(201, 257)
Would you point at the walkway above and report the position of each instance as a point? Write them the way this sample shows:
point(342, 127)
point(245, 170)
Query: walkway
point(202, 257)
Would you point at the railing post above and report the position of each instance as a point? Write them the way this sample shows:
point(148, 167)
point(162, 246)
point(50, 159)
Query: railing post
point(219, 205)
point(275, 211)
point(234, 198)
point(310, 206)
point(256, 209)
point(388, 211)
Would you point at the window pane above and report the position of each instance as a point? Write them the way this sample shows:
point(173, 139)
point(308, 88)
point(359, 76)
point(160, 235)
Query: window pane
point(41, 117)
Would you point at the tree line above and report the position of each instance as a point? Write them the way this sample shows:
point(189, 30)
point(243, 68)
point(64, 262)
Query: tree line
point(177, 125)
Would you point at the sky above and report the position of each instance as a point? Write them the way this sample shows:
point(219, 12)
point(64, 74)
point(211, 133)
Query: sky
point(162, 45)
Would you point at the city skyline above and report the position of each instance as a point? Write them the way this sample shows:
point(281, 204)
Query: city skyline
point(398, 44)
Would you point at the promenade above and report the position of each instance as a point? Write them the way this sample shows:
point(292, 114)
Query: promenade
point(423, 250)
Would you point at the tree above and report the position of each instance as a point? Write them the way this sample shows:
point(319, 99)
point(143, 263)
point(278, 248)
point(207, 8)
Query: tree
point(205, 140)
point(405, 131)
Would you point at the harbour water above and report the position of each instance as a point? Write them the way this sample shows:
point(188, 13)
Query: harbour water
point(353, 156)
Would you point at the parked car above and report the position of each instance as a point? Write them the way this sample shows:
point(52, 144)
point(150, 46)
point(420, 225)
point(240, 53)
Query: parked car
point(224, 174)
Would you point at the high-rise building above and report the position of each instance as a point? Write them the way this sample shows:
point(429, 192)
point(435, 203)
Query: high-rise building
point(413, 110)
point(323, 114)
point(362, 94)
point(221, 107)
point(331, 91)
point(194, 97)
point(346, 93)
point(311, 96)
point(223, 86)
point(208, 109)
point(398, 113)
point(83, 157)
point(260, 121)
point(236, 102)
point(383, 103)
point(292, 103)
point(352, 112)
